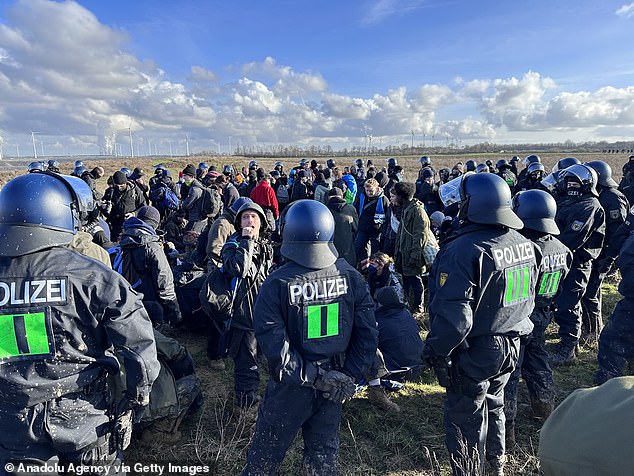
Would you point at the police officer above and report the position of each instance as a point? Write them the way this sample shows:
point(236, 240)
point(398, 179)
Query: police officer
point(314, 320)
point(482, 288)
point(616, 207)
point(504, 171)
point(63, 317)
point(581, 220)
point(537, 210)
point(528, 160)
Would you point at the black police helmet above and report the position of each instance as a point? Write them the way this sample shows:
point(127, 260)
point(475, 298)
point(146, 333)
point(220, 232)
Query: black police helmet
point(565, 163)
point(36, 167)
point(537, 209)
point(501, 164)
point(253, 164)
point(604, 171)
point(38, 211)
point(425, 161)
point(531, 159)
point(358, 163)
point(330, 163)
point(253, 207)
point(307, 235)
point(486, 199)
point(470, 165)
point(392, 162)
point(584, 176)
point(482, 168)
point(534, 167)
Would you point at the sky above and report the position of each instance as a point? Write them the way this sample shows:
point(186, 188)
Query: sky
point(85, 76)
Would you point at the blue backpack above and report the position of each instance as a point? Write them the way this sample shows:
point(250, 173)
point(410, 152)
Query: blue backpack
point(164, 197)
point(116, 258)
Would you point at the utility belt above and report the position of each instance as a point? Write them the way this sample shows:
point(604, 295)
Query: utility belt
point(335, 362)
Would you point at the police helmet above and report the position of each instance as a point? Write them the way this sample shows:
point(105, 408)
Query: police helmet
point(565, 163)
point(126, 171)
point(450, 192)
point(79, 171)
point(203, 166)
point(515, 159)
point(330, 163)
point(53, 165)
point(38, 211)
point(535, 167)
point(250, 205)
point(502, 164)
point(631, 158)
point(253, 164)
point(482, 168)
point(79, 163)
point(443, 174)
point(159, 167)
point(530, 159)
point(486, 199)
point(604, 171)
point(358, 163)
point(36, 167)
point(292, 172)
point(577, 179)
point(391, 162)
point(278, 165)
point(470, 165)
point(227, 170)
point(537, 209)
point(307, 235)
point(425, 161)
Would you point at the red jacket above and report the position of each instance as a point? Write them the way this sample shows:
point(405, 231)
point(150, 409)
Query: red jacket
point(264, 195)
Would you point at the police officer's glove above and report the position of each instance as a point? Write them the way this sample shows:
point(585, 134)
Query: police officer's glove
point(441, 366)
point(336, 386)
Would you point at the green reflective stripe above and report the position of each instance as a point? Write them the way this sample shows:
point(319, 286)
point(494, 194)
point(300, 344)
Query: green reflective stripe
point(550, 283)
point(35, 338)
point(8, 341)
point(517, 285)
point(323, 321)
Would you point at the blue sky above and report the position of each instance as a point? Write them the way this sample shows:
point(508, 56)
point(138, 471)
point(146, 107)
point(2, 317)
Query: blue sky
point(313, 72)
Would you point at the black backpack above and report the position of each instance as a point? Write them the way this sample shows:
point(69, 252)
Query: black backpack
point(211, 205)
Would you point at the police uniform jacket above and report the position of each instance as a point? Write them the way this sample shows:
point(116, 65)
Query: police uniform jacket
point(482, 283)
point(146, 268)
point(306, 317)
point(616, 208)
point(249, 260)
point(63, 315)
point(625, 263)
point(581, 220)
point(554, 265)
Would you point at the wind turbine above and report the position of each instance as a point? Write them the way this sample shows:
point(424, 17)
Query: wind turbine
point(33, 140)
point(412, 139)
point(187, 145)
point(131, 143)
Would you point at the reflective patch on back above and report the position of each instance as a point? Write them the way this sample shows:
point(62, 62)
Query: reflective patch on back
point(26, 336)
point(517, 285)
point(322, 321)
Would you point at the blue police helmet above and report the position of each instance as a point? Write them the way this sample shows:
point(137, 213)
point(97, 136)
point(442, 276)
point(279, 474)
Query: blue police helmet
point(37, 211)
point(79, 163)
point(307, 235)
point(235, 207)
point(470, 165)
point(565, 163)
point(537, 209)
point(578, 177)
point(36, 167)
point(486, 199)
point(604, 171)
point(126, 171)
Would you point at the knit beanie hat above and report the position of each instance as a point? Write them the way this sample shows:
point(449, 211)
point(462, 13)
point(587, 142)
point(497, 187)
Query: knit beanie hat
point(190, 170)
point(149, 215)
point(119, 178)
point(388, 297)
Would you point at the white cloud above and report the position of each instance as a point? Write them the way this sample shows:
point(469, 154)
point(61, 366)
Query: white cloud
point(626, 11)
point(382, 9)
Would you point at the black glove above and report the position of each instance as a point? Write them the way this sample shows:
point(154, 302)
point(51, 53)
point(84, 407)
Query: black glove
point(336, 386)
point(441, 366)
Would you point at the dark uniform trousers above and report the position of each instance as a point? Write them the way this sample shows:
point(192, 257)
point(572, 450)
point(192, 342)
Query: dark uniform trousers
point(533, 366)
point(74, 428)
point(474, 406)
point(616, 344)
point(568, 303)
point(592, 322)
point(244, 352)
point(284, 410)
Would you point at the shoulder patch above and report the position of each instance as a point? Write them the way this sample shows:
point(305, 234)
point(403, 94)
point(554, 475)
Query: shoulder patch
point(576, 225)
point(615, 214)
point(442, 279)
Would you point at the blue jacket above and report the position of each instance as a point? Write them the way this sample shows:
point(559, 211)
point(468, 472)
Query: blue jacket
point(399, 340)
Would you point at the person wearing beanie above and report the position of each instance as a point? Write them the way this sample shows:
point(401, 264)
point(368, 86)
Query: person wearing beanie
point(193, 203)
point(146, 268)
point(321, 188)
point(121, 201)
point(346, 225)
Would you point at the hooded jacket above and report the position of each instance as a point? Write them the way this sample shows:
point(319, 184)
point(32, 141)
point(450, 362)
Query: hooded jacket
point(146, 268)
point(346, 225)
point(219, 232)
point(411, 237)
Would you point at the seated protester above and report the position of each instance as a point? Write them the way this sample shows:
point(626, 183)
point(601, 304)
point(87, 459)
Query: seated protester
point(381, 274)
point(146, 268)
point(247, 255)
point(399, 338)
point(175, 392)
point(174, 228)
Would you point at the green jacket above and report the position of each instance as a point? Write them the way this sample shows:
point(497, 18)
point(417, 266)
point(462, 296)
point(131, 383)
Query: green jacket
point(411, 237)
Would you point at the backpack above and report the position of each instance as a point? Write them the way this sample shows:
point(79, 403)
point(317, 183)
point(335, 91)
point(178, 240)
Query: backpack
point(164, 197)
point(116, 258)
point(217, 295)
point(282, 194)
point(211, 205)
